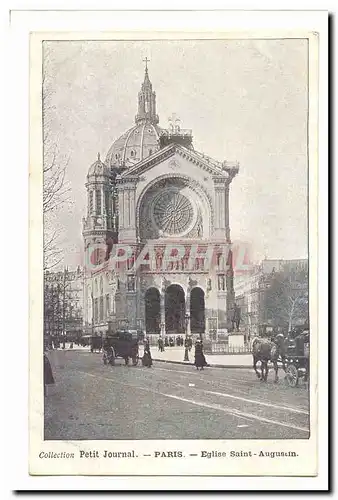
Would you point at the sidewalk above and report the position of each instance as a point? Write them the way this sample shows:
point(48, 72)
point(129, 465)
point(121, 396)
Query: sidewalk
point(176, 355)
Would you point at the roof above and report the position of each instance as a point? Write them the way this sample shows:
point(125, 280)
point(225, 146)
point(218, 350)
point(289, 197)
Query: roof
point(98, 168)
point(136, 144)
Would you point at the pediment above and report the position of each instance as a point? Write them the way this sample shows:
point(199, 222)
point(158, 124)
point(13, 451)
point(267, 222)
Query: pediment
point(203, 162)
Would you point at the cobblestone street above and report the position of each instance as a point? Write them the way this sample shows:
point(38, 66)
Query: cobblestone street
point(93, 401)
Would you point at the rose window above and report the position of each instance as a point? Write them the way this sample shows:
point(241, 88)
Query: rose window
point(172, 212)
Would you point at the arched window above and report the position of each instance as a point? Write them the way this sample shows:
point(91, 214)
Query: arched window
point(150, 152)
point(98, 201)
point(107, 203)
point(91, 201)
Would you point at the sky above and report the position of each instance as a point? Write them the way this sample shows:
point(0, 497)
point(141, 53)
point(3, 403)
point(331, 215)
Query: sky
point(245, 101)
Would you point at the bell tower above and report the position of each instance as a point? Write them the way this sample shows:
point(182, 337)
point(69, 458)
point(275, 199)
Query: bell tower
point(146, 101)
point(98, 224)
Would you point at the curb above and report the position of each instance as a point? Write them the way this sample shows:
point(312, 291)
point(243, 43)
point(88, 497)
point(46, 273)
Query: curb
point(186, 363)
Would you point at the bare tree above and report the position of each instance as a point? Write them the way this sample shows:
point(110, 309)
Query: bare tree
point(286, 298)
point(56, 188)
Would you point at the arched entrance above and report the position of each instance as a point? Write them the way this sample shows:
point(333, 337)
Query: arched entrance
point(197, 311)
point(153, 311)
point(174, 310)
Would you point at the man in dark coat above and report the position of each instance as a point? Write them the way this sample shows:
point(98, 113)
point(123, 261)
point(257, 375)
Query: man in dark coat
point(48, 378)
point(160, 344)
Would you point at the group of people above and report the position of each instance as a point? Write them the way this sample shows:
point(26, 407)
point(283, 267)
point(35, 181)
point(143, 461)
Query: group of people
point(170, 342)
point(200, 361)
point(147, 361)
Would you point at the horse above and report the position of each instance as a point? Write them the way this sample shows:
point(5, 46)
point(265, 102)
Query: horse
point(265, 350)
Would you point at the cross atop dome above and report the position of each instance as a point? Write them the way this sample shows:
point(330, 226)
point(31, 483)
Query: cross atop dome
point(146, 60)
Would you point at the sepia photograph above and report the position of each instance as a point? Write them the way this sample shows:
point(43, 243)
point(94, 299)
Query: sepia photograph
point(176, 241)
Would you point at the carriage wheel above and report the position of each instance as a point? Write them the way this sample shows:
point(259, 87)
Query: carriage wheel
point(292, 376)
point(135, 361)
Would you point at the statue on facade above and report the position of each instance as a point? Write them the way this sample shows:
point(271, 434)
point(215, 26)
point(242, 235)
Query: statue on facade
point(164, 284)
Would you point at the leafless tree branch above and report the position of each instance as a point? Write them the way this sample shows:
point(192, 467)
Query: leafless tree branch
point(56, 188)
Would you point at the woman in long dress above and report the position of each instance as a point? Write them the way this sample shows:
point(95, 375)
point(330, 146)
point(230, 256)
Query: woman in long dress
point(200, 361)
point(147, 359)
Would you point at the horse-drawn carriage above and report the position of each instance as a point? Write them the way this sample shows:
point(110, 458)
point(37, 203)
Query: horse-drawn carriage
point(92, 341)
point(122, 344)
point(297, 359)
point(292, 352)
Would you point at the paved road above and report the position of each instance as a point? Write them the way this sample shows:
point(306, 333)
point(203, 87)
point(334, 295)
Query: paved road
point(93, 401)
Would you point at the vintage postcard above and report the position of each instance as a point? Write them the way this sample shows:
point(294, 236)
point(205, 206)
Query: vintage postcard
point(173, 183)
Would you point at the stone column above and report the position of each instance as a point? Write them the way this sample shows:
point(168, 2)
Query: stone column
point(188, 330)
point(127, 216)
point(227, 222)
point(121, 210)
point(220, 206)
point(125, 208)
point(187, 313)
point(162, 309)
point(94, 201)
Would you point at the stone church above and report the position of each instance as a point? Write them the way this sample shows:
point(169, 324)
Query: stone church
point(158, 196)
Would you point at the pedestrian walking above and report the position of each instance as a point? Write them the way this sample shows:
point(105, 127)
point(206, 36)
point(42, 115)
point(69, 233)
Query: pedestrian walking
point(160, 344)
point(189, 343)
point(147, 359)
point(48, 378)
point(200, 361)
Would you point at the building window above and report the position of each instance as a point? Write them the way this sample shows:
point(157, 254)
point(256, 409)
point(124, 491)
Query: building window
point(98, 201)
point(96, 310)
point(221, 282)
point(150, 152)
point(107, 203)
point(220, 261)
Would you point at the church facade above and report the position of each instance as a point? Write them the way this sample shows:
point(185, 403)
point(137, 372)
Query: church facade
point(160, 211)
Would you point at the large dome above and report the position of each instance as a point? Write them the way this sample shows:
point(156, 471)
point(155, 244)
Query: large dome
point(134, 145)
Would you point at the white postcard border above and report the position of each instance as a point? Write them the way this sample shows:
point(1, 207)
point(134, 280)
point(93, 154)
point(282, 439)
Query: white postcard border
point(37, 375)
